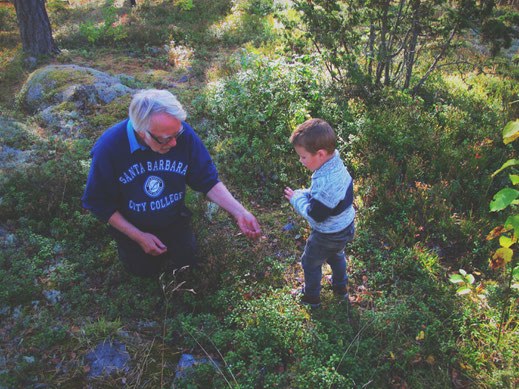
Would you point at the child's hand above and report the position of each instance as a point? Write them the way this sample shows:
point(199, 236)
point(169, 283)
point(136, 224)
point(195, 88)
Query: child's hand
point(289, 193)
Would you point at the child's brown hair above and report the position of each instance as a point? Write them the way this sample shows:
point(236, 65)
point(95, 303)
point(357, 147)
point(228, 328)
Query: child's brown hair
point(314, 135)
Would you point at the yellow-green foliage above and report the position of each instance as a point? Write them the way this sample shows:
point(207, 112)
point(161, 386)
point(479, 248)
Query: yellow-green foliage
point(485, 90)
point(108, 115)
point(421, 167)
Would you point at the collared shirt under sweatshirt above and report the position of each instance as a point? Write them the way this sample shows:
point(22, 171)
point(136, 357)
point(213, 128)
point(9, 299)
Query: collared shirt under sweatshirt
point(328, 203)
point(146, 187)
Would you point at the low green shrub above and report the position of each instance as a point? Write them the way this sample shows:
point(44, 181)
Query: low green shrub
point(489, 322)
point(11, 67)
point(414, 317)
point(240, 27)
point(50, 186)
point(8, 20)
point(162, 23)
point(480, 356)
point(268, 341)
point(22, 266)
point(255, 7)
point(252, 115)
point(421, 169)
point(111, 29)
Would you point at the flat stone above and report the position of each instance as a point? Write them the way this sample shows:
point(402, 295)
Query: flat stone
point(109, 356)
point(187, 363)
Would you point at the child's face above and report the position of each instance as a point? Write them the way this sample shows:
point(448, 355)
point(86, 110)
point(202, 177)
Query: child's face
point(311, 161)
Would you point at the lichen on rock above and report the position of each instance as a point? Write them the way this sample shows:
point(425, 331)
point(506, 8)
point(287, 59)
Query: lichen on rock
point(65, 98)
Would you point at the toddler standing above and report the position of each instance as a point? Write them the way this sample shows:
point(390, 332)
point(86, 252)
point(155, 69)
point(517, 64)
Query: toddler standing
point(327, 205)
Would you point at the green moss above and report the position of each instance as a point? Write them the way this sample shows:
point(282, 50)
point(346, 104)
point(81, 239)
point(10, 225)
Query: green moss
point(68, 76)
point(52, 83)
point(16, 135)
point(108, 115)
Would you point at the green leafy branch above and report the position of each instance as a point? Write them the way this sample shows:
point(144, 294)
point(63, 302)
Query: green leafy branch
point(108, 30)
point(464, 278)
point(507, 233)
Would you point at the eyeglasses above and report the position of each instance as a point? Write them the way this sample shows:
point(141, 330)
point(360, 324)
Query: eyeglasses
point(168, 139)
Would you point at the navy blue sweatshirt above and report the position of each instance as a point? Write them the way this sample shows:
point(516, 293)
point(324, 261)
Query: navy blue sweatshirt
point(146, 187)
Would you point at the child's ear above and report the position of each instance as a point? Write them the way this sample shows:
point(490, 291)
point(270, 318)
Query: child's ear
point(322, 153)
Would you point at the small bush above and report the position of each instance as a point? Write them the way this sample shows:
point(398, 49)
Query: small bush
point(110, 30)
point(253, 114)
point(8, 20)
point(23, 266)
point(11, 67)
point(53, 184)
point(422, 169)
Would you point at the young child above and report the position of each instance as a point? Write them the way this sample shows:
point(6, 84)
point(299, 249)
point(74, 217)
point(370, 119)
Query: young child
point(327, 205)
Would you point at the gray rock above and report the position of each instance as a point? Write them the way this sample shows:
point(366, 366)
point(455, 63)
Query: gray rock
point(108, 93)
point(183, 79)
point(289, 227)
point(146, 324)
point(31, 61)
point(62, 122)
point(121, 89)
point(52, 296)
point(47, 85)
point(108, 357)
point(57, 92)
point(212, 209)
point(34, 93)
point(84, 94)
point(186, 364)
point(17, 312)
point(12, 158)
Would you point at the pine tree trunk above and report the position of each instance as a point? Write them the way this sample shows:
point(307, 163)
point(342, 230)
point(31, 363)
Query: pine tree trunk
point(411, 50)
point(35, 28)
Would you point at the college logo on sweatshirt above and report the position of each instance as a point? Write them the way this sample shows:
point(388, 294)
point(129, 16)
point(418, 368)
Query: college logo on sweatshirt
point(154, 186)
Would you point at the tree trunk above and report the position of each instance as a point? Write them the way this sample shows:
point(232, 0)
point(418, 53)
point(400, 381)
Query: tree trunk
point(383, 53)
point(370, 51)
point(35, 28)
point(411, 51)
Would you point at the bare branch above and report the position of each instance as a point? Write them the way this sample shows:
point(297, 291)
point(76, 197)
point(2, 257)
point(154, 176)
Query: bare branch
point(433, 66)
point(474, 65)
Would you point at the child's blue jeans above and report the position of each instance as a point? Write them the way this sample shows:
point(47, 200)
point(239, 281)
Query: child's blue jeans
point(321, 248)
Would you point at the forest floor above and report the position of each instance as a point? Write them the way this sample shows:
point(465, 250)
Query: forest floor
point(400, 328)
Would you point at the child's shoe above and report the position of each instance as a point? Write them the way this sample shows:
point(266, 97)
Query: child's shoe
point(313, 302)
point(340, 291)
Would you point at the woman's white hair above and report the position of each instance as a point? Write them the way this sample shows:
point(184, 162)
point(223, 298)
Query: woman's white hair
point(148, 102)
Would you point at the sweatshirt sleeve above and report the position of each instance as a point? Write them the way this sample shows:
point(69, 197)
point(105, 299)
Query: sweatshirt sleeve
point(100, 195)
point(202, 173)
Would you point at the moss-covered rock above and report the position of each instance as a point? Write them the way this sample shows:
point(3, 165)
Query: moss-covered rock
point(66, 98)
